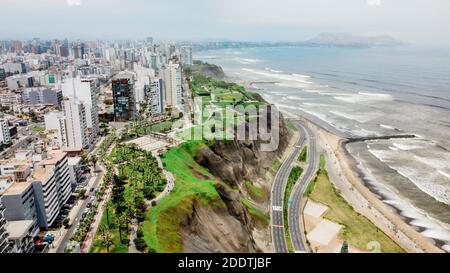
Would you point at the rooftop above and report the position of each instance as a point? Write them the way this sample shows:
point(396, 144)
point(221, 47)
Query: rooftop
point(53, 158)
point(17, 188)
point(18, 229)
point(74, 160)
point(42, 174)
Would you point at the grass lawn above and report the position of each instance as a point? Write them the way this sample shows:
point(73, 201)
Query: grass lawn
point(256, 214)
point(193, 183)
point(276, 165)
point(358, 230)
point(255, 192)
point(302, 157)
point(38, 129)
point(161, 127)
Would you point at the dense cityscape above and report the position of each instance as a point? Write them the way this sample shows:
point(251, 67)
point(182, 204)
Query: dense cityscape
point(58, 99)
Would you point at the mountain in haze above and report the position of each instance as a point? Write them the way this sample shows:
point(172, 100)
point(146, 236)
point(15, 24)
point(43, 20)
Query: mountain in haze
point(352, 40)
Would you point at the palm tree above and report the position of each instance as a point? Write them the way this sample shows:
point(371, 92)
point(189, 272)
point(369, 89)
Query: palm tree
point(93, 160)
point(122, 220)
point(107, 206)
point(106, 236)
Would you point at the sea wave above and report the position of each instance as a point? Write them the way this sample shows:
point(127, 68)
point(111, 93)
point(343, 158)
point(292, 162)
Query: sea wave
point(359, 118)
point(273, 70)
point(419, 175)
point(362, 97)
point(279, 76)
point(247, 60)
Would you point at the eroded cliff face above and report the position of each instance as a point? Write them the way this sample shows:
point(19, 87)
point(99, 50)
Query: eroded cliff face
point(222, 226)
point(237, 161)
point(226, 225)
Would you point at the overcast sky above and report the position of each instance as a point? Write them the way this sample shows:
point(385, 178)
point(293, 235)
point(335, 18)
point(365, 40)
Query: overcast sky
point(413, 21)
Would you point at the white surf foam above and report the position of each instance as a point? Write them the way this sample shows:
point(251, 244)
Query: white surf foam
point(359, 118)
point(387, 127)
point(247, 60)
point(279, 76)
point(362, 97)
point(444, 174)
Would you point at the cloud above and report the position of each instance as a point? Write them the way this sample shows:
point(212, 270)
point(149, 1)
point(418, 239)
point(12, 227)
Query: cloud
point(72, 3)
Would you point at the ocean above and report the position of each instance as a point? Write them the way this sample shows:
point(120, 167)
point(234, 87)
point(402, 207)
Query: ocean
point(369, 92)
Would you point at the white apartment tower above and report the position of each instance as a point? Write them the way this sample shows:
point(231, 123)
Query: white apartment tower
point(84, 90)
point(76, 124)
point(172, 85)
point(57, 121)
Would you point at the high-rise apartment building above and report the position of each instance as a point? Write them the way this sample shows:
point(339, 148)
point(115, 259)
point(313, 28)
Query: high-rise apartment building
point(57, 121)
point(123, 96)
point(76, 124)
point(4, 245)
point(84, 90)
point(173, 94)
point(52, 187)
point(157, 97)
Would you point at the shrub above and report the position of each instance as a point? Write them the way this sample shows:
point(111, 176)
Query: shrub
point(140, 244)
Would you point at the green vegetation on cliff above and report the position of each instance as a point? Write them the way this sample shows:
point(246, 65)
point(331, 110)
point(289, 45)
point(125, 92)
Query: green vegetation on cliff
point(193, 184)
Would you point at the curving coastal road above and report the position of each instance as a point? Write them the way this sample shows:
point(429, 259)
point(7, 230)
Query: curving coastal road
point(296, 200)
point(277, 196)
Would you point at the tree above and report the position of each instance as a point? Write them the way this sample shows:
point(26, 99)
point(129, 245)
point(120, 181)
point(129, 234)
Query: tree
point(108, 207)
point(106, 237)
point(344, 248)
point(93, 160)
point(82, 194)
point(140, 244)
point(66, 222)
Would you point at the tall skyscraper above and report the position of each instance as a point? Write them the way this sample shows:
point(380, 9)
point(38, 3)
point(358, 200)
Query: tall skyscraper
point(76, 125)
point(186, 56)
point(123, 96)
point(172, 85)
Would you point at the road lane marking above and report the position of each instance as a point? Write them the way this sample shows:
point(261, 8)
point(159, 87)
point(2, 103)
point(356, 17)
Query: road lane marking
point(277, 208)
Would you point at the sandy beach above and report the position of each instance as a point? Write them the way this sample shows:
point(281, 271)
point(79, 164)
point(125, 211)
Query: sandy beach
point(345, 176)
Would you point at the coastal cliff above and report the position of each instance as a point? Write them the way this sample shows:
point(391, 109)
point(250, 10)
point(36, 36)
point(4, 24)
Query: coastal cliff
point(244, 174)
point(220, 201)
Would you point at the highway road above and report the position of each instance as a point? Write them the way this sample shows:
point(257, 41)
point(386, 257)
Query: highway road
point(296, 200)
point(89, 194)
point(277, 196)
point(77, 220)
